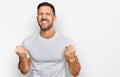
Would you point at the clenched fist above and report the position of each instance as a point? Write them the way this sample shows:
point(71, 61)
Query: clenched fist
point(69, 53)
point(21, 51)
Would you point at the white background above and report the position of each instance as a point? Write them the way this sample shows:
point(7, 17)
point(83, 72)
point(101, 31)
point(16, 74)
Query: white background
point(94, 25)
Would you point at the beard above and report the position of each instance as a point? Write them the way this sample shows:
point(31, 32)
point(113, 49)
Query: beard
point(47, 28)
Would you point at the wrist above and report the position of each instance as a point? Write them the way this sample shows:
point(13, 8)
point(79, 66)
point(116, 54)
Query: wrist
point(22, 55)
point(72, 59)
point(22, 58)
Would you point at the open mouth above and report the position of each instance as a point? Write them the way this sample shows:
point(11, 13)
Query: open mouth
point(44, 21)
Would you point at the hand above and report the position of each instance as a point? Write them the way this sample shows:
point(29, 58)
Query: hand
point(21, 51)
point(69, 53)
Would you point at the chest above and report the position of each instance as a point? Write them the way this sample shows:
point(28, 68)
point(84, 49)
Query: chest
point(47, 51)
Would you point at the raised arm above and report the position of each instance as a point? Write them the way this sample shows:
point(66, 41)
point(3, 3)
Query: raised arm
point(73, 62)
point(24, 62)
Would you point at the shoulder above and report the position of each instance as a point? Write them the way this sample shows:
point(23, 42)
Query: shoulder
point(68, 40)
point(28, 40)
point(66, 37)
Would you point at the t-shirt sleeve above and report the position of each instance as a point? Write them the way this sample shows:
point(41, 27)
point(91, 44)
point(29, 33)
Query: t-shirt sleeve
point(25, 44)
point(69, 41)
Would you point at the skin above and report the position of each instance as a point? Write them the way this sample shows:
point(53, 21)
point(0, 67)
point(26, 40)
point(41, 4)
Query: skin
point(73, 62)
point(24, 62)
point(45, 19)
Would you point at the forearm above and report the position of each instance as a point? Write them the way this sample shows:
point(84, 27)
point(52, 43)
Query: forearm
point(23, 65)
point(74, 66)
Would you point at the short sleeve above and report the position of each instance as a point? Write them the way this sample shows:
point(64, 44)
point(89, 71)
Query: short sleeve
point(25, 44)
point(69, 41)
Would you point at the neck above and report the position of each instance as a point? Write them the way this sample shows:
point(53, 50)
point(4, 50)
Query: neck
point(47, 34)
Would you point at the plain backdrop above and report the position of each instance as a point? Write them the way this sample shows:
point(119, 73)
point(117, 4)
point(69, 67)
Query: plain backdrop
point(94, 25)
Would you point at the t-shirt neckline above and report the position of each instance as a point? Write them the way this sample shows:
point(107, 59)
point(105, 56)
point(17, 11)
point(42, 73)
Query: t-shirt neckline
point(46, 38)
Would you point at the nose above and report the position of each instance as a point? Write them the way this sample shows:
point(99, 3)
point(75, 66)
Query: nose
point(44, 16)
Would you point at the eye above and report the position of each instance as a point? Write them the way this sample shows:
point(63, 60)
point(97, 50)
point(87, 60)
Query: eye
point(40, 14)
point(48, 14)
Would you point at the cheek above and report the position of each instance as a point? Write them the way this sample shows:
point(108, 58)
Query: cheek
point(51, 19)
point(39, 18)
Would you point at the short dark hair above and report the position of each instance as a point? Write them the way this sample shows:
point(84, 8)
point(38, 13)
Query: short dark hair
point(46, 4)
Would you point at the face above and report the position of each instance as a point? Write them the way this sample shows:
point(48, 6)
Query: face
point(45, 18)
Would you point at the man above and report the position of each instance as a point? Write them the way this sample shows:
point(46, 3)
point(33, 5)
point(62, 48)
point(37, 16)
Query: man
point(48, 52)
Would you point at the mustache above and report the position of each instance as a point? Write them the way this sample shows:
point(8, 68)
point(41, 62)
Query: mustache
point(44, 20)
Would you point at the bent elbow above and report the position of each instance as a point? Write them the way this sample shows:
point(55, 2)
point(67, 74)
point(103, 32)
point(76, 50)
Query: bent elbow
point(76, 71)
point(24, 72)
point(75, 74)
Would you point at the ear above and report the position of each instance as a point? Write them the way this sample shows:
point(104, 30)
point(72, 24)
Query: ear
point(55, 18)
point(36, 17)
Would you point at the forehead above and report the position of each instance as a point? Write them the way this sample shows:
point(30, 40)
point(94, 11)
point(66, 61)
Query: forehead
point(45, 9)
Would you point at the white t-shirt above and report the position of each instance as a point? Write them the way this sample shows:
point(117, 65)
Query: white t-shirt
point(47, 55)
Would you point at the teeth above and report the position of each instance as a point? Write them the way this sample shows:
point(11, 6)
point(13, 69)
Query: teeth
point(44, 21)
